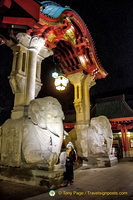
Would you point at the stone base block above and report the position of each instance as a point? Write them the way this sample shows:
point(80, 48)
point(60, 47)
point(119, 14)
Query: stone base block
point(36, 177)
point(99, 160)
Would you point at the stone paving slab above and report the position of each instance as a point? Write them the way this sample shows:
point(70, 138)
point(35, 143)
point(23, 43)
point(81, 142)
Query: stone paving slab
point(17, 191)
point(112, 183)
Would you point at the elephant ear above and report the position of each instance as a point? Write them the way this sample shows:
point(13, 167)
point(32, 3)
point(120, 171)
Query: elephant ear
point(33, 111)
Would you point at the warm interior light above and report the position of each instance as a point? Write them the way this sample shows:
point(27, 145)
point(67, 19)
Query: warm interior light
point(60, 88)
point(128, 134)
point(119, 133)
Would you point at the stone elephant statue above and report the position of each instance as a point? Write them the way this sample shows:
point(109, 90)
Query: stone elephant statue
point(43, 131)
point(100, 136)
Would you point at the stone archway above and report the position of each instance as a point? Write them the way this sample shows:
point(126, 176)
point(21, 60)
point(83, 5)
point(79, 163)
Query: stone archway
point(65, 35)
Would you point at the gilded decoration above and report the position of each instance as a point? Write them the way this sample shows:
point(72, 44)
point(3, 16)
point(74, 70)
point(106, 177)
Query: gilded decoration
point(70, 35)
point(51, 37)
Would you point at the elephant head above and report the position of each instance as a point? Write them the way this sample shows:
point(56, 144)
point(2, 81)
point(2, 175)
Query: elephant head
point(45, 130)
point(47, 113)
point(100, 133)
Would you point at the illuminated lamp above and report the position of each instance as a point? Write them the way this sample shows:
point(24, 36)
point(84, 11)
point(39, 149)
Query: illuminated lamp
point(128, 134)
point(61, 82)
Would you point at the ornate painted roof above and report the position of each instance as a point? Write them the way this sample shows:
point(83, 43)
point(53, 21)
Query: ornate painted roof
point(67, 35)
point(52, 9)
point(64, 32)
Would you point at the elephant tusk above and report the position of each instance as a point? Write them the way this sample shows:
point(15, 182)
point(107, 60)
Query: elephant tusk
point(54, 133)
point(50, 131)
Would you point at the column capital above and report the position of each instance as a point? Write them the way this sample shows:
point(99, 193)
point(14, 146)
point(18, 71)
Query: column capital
point(24, 39)
point(36, 43)
point(76, 78)
point(31, 42)
point(89, 81)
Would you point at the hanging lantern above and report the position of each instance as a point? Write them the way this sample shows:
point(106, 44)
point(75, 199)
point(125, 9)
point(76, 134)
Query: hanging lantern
point(61, 83)
point(55, 74)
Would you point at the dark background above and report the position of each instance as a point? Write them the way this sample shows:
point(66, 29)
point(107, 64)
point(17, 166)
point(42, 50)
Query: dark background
point(110, 23)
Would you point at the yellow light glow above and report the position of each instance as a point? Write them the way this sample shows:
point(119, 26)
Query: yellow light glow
point(83, 61)
point(119, 134)
point(60, 88)
point(61, 83)
point(128, 134)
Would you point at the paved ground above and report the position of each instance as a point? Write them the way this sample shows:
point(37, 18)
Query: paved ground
point(110, 184)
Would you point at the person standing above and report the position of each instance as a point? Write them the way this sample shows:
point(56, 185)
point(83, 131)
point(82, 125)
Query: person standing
point(70, 159)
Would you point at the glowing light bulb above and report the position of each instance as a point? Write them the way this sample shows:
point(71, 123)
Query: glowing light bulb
point(128, 134)
point(61, 83)
point(55, 75)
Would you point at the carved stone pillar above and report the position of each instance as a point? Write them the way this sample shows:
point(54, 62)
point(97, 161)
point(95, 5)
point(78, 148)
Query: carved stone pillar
point(25, 83)
point(82, 84)
point(88, 83)
point(18, 79)
point(43, 53)
point(26, 69)
point(36, 44)
point(77, 80)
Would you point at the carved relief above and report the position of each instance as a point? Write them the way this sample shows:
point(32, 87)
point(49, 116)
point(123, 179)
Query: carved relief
point(24, 39)
point(78, 106)
point(18, 83)
point(17, 79)
point(11, 143)
point(36, 43)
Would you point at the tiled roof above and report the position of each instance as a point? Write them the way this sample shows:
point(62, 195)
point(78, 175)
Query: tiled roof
point(112, 107)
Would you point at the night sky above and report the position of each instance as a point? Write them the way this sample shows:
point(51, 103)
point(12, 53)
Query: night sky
point(110, 24)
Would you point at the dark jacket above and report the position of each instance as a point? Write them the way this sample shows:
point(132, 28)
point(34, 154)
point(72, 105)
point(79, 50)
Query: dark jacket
point(72, 157)
point(69, 175)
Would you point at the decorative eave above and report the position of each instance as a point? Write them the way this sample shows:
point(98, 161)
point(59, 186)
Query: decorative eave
point(9, 8)
point(64, 32)
point(117, 124)
point(120, 123)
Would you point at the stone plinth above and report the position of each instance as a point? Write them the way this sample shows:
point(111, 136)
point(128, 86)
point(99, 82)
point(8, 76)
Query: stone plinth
point(100, 160)
point(33, 176)
point(11, 140)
